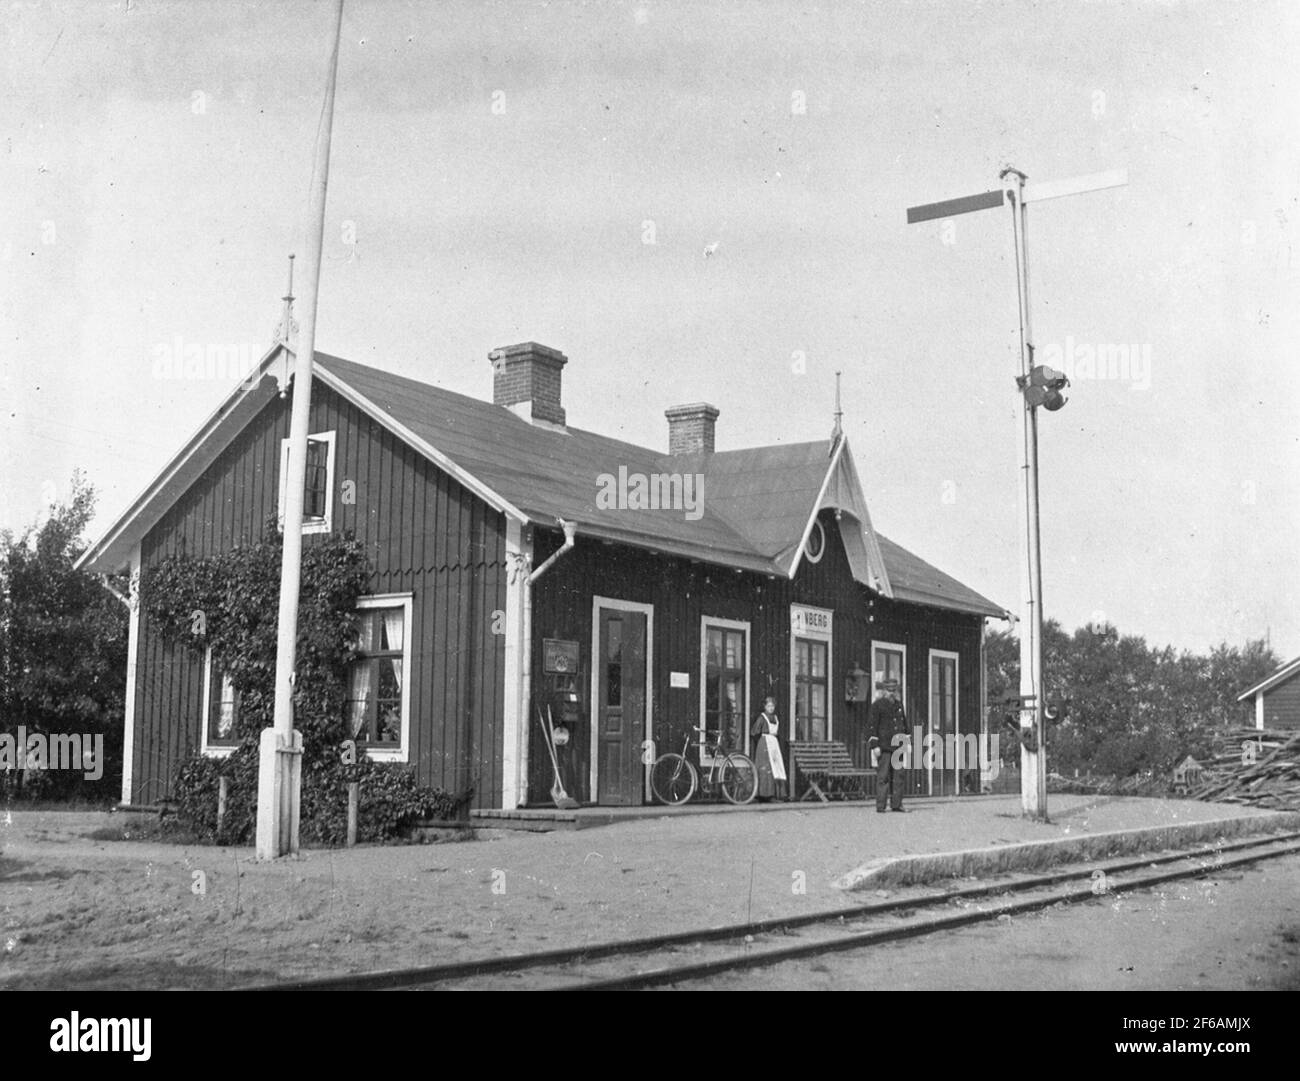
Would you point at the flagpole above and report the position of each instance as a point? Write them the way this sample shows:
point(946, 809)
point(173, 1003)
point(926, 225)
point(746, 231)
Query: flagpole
point(279, 766)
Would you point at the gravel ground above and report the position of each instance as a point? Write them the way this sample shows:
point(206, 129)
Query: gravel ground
point(1234, 930)
point(82, 912)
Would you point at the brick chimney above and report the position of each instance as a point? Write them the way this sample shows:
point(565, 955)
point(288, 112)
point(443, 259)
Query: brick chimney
point(526, 380)
point(690, 428)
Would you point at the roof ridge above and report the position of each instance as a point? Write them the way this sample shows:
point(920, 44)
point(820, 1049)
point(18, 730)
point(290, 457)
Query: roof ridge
point(807, 443)
point(568, 429)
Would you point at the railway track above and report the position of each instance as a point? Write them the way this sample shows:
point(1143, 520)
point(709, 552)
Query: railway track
point(664, 960)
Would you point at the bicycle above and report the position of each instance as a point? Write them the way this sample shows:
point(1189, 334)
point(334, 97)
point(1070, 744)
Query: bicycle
point(674, 779)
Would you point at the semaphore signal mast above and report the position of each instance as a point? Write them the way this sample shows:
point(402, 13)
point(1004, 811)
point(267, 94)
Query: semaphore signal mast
point(1039, 386)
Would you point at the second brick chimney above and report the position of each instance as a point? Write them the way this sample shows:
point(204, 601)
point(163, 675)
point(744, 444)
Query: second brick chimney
point(526, 380)
point(690, 428)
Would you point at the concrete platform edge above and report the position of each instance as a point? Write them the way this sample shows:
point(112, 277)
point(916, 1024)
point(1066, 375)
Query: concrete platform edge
point(1038, 855)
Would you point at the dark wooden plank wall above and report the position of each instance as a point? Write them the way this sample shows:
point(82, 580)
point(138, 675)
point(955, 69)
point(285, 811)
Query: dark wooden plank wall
point(424, 533)
point(1282, 705)
point(681, 591)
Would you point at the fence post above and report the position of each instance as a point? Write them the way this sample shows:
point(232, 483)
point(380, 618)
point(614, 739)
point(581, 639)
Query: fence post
point(223, 788)
point(354, 791)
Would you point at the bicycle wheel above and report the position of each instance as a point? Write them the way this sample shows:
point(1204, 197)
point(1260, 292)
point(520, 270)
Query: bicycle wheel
point(739, 779)
point(673, 779)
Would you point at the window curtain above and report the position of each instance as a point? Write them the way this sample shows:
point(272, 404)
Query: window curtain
point(226, 716)
point(394, 625)
point(359, 695)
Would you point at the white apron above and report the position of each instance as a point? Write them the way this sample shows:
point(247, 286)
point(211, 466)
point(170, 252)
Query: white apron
point(772, 749)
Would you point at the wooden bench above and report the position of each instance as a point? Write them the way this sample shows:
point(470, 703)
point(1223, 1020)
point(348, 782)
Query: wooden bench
point(828, 770)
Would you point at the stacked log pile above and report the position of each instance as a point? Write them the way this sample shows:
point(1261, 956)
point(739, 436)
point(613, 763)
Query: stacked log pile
point(1271, 780)
point(1141, 785)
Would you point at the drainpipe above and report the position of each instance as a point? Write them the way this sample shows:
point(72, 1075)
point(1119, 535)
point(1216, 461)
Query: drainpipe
point(526, 683)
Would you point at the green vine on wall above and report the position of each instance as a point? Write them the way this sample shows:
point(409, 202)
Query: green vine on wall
point(229, 603)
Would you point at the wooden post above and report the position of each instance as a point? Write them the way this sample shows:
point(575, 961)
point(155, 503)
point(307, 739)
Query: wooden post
point(354, 799)
point(223, 791)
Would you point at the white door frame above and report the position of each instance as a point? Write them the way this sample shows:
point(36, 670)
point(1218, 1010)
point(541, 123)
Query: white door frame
point(597, 603)
point(946, 654)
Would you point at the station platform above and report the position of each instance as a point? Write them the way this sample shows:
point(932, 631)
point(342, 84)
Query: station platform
point(546, 819)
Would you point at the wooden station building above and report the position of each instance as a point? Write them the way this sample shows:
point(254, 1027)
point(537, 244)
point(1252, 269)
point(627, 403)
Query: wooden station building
point(520, 563)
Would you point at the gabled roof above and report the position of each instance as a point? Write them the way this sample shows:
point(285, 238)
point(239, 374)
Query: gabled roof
point(917, 581)
point(771, 495)
point(1291, 668)
point(755, 513)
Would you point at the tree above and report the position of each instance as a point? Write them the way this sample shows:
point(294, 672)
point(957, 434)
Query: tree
point(1002, 681)
point(1131, 708)
point(63, 643)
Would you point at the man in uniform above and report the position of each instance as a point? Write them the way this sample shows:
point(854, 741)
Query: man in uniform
point(885, 720)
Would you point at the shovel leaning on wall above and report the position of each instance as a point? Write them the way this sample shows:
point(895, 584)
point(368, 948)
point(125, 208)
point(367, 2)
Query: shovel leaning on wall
point(562, 799)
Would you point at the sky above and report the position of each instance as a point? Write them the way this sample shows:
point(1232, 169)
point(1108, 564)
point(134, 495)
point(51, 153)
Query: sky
point(555, 172)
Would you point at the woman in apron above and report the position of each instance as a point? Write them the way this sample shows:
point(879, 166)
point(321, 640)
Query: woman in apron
point(767, 752)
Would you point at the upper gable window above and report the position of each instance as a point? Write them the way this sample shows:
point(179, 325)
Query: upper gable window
point(318, 486)
point(815, 546)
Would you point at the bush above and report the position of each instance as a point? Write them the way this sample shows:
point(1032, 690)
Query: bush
point(390, 799)
point(229, 603)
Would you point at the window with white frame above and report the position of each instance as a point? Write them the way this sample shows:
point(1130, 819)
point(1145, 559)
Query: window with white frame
point(724, 683)
point(943, 691)
point(888, 661)
point(943, 722)
point(379, 691)
point(810, 672)
point(811, 720)
point(318, 482)
point(220, 708)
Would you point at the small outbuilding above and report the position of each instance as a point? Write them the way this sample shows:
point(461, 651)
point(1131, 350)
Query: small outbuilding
point(1277, 699)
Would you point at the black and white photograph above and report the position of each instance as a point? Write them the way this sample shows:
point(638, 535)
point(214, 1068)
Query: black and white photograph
point(616, 495)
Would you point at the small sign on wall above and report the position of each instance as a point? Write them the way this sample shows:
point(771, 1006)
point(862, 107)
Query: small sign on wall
point(559, 655)
point(679, 679)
